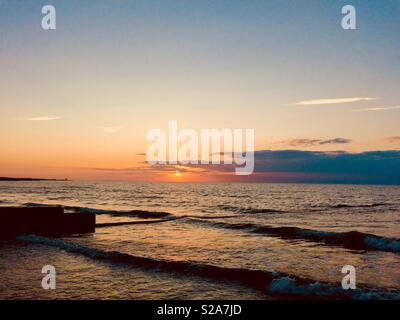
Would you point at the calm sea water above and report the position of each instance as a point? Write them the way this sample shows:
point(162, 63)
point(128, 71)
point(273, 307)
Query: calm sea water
point(210, 241)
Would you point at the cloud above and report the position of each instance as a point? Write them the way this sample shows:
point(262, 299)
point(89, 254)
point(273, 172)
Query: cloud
point(374, 167)
point(333, 101)
point(336, 141)
point(42, 118)
point(314, 142)
point(111, 130)
point(377, 109)
point(395, 139)
point(300, 142)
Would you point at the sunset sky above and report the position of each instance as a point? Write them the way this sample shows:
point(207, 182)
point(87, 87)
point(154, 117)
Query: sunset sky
point(76, 102)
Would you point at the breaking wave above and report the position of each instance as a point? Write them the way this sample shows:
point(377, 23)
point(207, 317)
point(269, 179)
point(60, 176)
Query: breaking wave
point(353, 240)
point(274, 283)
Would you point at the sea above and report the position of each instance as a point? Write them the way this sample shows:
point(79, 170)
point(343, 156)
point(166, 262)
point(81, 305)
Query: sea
point(245, 241)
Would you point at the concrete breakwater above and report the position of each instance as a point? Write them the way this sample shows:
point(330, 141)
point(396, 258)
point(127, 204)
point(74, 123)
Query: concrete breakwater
point(49, 221)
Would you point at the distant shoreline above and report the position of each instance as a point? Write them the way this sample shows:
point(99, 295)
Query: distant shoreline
point(30, 179)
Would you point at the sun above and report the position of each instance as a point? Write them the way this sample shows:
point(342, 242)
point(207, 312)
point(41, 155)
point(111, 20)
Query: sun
point(177, 173)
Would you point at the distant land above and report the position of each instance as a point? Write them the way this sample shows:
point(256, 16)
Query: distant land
point(29, 179)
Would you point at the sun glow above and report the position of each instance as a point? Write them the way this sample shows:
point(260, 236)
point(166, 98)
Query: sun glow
point(177, 173)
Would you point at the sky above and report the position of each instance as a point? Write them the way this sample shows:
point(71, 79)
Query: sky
point(76, 102)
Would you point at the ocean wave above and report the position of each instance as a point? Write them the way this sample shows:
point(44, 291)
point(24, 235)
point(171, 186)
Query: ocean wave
point(371, 205)
point(288, 286)
point(119, 213)
point(34, 204)
point(122, 213)
point(353, 240)
point(210, 217)
point(248, 210)
point(274, 283)
point(149, 197)
point(7, 202)
point(125, 223)
point(166, 219)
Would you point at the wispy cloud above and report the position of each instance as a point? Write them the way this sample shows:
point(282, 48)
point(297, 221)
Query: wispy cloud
point(111, 129)
point(335, 141)
point(313, 142)
point(377, 109)
point(333, 101)
point(43, 118)
point(395, 139)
